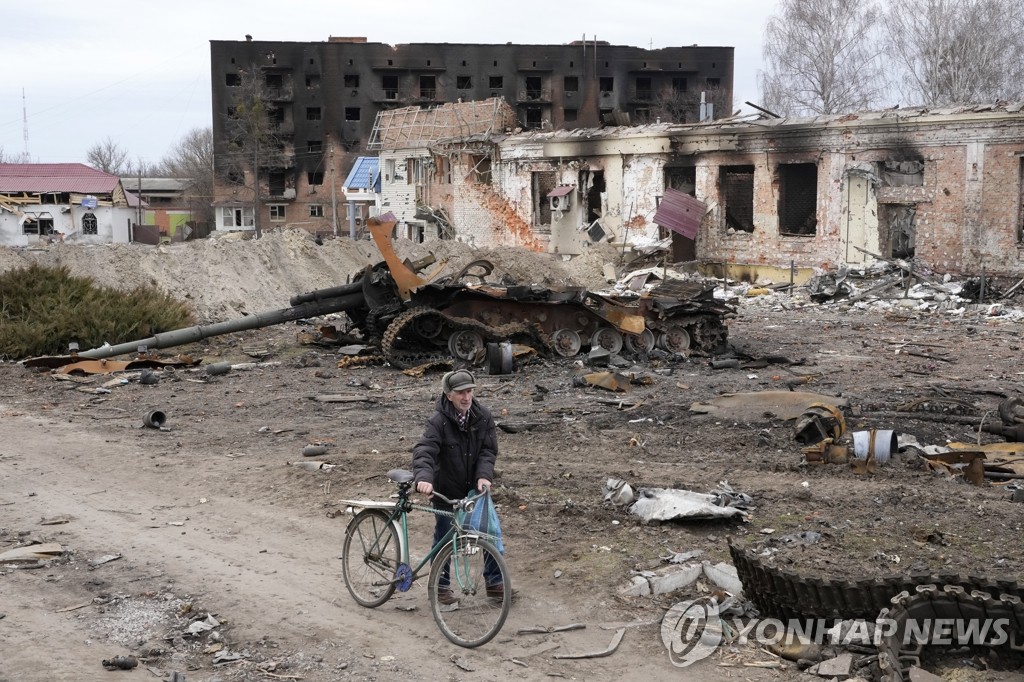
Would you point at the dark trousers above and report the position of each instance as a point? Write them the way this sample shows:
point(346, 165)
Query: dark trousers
point(491, 572)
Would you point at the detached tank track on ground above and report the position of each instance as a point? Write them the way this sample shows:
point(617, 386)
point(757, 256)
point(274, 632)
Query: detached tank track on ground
point(784, 594)
point(896, 655)
point(405, 358)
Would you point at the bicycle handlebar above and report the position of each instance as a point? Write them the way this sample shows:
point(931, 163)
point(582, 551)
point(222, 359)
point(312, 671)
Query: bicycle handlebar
point(464, 503)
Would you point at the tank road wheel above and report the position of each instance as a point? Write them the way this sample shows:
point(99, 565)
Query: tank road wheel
point(466, 344)
point(428, 326)
point(675, 340)
point(608, 338)
point(642, 343)
point(566, 342)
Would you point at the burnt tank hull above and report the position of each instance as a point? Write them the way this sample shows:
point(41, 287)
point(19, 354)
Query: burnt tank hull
point(416, 320)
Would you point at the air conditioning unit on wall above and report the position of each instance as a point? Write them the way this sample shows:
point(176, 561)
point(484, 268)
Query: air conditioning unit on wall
point(560, 203)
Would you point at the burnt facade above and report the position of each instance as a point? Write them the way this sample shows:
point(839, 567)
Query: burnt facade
point(943, 187)
point(324, 98)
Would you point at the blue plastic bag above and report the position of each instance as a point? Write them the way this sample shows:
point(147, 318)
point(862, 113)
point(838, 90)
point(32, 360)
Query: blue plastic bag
point(484, 519)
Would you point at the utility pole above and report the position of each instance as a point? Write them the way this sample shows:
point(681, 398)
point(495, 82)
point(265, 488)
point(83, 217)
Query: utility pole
point(256, 186)
point(138, 199)
point(334, 196)
point(26, 157)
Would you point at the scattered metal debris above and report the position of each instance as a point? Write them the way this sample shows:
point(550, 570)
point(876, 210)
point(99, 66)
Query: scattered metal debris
point(616, 640)
point(542, 630)
point(826, 452)
point(618, 492)
point(314, 450)
point(665, 504)
point(754, 406)
point(610, 381)
point(120, 663)
point(217, 369)
point(819, 422)
point(682, 557)
point(154, 419)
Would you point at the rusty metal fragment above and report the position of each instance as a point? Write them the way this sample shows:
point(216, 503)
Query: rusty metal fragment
point(826, 452)
point(754, 406)
point(819, 422)
point(680, 212)
point(359, 361)
point(110, 366)
point(610, 381)
point(967, 463)
point(406, 280)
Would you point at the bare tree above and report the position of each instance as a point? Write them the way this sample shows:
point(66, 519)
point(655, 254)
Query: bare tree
point(682, 106)
point(821, 57)
point(252, 127)
point(14, 158)
point(958, 51)
point(192, 160)
point(109, 157)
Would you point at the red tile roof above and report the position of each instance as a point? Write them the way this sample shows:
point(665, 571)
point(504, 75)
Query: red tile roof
point(55, 177)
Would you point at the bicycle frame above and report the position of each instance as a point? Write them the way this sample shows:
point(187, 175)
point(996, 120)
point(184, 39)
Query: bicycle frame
point(399, 518)
point(469, 589)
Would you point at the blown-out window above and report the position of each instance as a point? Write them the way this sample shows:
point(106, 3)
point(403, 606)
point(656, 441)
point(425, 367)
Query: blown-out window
point(798, 199)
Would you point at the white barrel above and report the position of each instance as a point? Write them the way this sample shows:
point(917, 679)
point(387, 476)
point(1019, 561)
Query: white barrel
point(880, 443)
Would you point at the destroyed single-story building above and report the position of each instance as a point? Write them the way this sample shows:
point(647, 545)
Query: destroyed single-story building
point(63, 201)
point(419, 151)
point(943, 186)
point(167, 206)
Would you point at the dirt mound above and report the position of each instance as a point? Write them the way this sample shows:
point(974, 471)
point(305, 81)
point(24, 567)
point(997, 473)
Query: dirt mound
point(227, 277)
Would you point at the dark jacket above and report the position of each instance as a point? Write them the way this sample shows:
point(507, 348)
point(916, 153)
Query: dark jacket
point(453, 458)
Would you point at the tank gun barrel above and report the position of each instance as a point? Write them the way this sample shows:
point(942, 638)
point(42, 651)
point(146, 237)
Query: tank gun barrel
point(332, 292)
point(178, 337)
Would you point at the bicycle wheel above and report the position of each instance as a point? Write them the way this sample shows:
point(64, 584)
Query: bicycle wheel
point(370, 557)
point(466, 609)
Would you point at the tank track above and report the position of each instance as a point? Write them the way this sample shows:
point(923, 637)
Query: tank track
point(375, 321)
point(784, 594)
point(708, 334)
point(1001, 618)
point(401, 334)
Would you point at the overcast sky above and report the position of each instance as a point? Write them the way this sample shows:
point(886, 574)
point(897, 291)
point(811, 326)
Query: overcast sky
point(139, 72)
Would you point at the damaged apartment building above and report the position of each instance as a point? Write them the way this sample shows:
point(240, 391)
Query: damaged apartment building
point(942, 186)
point(322, 99)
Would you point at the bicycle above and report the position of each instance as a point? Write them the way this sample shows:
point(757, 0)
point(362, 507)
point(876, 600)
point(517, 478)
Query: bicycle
point(468, 609)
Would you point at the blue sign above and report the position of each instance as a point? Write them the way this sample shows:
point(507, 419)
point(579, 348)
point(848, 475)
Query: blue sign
point(89, 201)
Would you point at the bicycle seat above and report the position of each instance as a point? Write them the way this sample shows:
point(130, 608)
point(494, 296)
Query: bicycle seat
point(400, 476)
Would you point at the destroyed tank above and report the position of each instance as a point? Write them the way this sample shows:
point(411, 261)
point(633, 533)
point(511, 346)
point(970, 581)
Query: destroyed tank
point(416, 318)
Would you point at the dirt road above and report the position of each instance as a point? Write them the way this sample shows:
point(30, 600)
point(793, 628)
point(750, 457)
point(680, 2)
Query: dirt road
point(209, 519)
